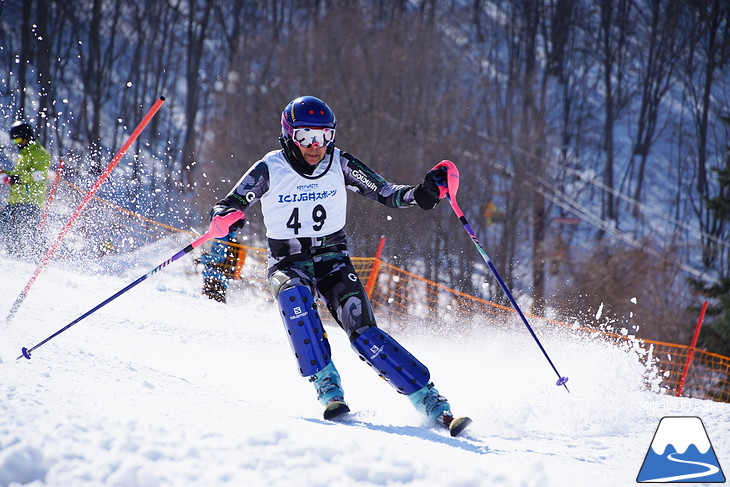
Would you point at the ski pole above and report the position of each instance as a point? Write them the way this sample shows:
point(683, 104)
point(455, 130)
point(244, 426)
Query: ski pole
point(213, 232)
point(448, 189)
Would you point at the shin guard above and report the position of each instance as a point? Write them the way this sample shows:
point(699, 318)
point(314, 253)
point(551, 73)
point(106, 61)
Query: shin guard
point(307, 337)
point(391, 361)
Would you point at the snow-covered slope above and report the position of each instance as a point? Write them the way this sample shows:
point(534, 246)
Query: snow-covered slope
point(163, 387)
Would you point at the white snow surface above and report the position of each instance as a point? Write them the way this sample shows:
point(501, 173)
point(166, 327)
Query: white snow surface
point(163, 387)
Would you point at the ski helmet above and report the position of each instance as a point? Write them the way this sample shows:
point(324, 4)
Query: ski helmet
point(306, 111)
point(21, 130)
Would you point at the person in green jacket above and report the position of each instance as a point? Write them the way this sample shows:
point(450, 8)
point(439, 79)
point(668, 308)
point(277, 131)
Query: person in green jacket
point(20, 218)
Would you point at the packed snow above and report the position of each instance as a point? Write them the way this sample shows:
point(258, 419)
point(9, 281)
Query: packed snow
point(164, 387)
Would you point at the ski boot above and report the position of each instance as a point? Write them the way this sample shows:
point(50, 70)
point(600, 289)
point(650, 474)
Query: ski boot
point(329, 392)
point(436, 408)
point(215, 290)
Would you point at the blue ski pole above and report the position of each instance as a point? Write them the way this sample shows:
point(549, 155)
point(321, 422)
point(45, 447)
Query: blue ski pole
point(448, 188)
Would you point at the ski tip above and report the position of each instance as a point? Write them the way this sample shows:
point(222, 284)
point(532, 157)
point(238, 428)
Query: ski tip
point(335, 409)
point(458, 425)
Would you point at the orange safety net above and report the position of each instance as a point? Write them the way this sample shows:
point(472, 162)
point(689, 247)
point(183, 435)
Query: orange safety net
point(708, 375)
point(399, 296)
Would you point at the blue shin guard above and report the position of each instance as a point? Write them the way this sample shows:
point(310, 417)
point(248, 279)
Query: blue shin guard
point(391, 361)
point(307, 337)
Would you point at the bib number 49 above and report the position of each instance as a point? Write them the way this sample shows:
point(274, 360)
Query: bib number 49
point(319, 215)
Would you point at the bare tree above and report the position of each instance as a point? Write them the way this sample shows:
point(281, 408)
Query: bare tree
point(25, 57)
point(614, 34)
point(708, 51)
point(656, 77)
point(614, 288)
point(197, 24)
point(549, 108)
point(396, 115)
point(96, 52)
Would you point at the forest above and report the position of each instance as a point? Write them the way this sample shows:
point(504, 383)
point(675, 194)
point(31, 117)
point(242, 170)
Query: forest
point(589, 134)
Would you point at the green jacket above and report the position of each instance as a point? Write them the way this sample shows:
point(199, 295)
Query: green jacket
point(32, 169)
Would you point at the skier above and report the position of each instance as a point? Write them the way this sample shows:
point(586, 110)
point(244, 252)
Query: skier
point(19, 220)
point(302, 192)
point(220, 266)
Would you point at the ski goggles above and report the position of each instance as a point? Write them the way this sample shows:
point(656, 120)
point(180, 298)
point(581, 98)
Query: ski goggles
point(313, 137)
point(17, 140)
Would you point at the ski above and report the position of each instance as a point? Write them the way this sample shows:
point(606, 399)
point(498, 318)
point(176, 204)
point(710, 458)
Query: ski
point(335, 409)
point(457, 425)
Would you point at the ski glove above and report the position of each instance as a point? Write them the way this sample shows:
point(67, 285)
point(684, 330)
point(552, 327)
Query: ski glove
point(429, 192)
point(224, 221)
point(9, 179)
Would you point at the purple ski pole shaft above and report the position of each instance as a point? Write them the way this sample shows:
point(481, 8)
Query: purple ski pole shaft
point(449, 191)
point(200, 241)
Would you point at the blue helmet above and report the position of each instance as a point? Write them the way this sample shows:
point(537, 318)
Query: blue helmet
point(306, 111)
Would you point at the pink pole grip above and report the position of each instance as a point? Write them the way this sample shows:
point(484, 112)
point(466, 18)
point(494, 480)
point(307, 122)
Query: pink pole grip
point(220, 225)
point(452, 184)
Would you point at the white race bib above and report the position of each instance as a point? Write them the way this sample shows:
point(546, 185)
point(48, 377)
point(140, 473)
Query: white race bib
point(295, 206)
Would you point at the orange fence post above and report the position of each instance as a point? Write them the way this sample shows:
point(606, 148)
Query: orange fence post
point(240, 260)
point(692, 348)
point(375, 268)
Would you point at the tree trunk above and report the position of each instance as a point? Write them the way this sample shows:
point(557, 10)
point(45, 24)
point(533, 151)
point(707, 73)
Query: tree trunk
point(25, 57)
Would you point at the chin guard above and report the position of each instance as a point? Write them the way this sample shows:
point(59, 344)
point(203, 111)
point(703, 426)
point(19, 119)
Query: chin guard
point(391, 361)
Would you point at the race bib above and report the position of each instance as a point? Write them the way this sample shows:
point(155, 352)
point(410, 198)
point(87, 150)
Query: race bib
point(295, 206)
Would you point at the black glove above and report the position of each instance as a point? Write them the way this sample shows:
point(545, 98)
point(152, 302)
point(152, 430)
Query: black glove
point(427, 194)
point(13, 179)
point(227, 210)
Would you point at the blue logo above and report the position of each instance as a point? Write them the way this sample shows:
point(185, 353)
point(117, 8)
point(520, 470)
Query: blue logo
point(681, 452)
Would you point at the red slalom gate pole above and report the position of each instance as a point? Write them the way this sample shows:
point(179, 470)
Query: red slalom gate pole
point(90, 194)
point(692, 349)
point(375, 268)
point(51, 194)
